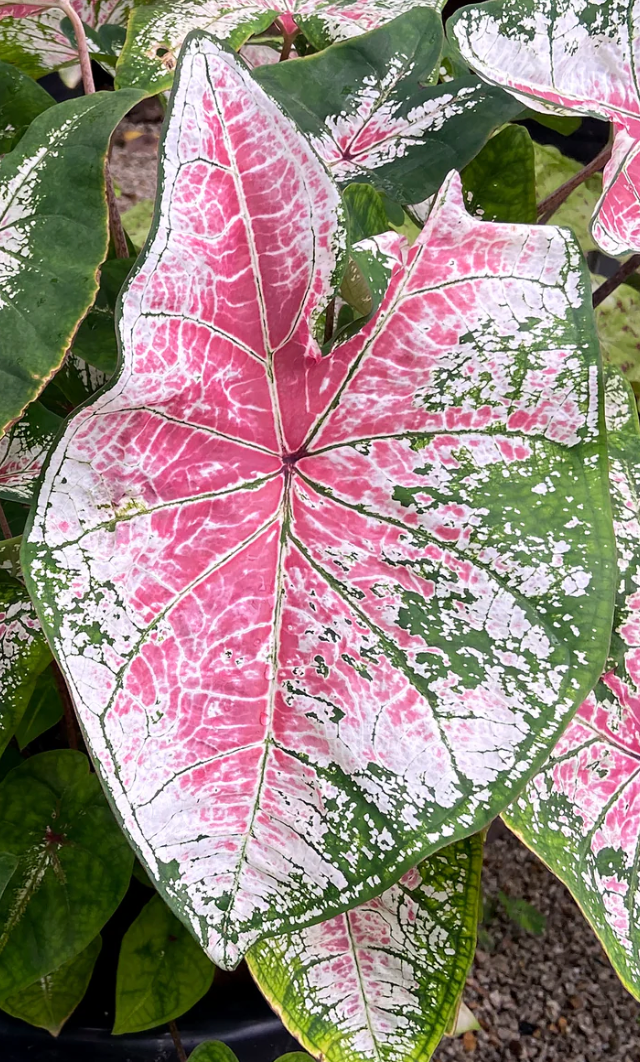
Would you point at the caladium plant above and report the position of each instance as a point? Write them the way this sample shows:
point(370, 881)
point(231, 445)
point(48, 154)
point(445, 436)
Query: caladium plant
point(327, 557)
point(36, 38)
point(372, 112)
point(329, 547)
point(580, 814)
point(569, 58)
point(156, 33)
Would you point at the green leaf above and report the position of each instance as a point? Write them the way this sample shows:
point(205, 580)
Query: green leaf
point(50, 1000)
point(366, 212)
point(618, 321)
point(137, 221)
point(500, 183)
point(372, 115)
point(10, 758)
point(294, 1056)
point(8, 867)
point(10, 556)
point(384, 979)
point(21, 100)
point(43, 710)
point(214, 1051)
point(53, 240)
point(162, 970)
point(23, 449)
point(74, 865)
point(524, 914)
point(95, 342)
point(560, 123)
point(553, 169)
point(24, 653)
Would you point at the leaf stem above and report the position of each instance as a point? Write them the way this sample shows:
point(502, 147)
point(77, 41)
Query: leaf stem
point(287, 41)
point(89, 85)
point(618, 278)
point(177, 1042)
point(4, 525)
point(329, 319)
point(547, 207)
point(70, 723)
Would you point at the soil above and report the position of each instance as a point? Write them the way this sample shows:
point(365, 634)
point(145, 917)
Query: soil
point(546, 997)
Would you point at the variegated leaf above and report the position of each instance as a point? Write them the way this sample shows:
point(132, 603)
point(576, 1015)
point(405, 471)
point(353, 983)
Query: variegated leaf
point(570, 56)
point(51, 242)
point(372, 114)
point(383, 980)
point(156, 33)
point(24, 653)
point(321, 616)
point(581, 814)
point(23, 450)
point(33, 39)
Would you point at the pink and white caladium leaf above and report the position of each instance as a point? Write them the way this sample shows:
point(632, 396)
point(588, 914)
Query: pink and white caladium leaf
point(156, 33)
point(23, 450)
point(321, 616)
point(372, 114)
point(383, 980)
point(581, 814)
point(33, 38)
point(570, 58)
point(24, 654)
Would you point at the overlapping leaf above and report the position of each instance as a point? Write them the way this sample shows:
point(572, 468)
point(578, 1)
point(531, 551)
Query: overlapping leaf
point(568, 57)
point(581, 814)
point(162, 970)
point(72, 865)
point(500, 183)
point(24, 653)
point(155, 34)
point(372, 114)
point(33, 38)
point(23, 450)
point(51, 1000)
point(21, 100)
point(320, 616)
point(51, 242)
point(383, 980)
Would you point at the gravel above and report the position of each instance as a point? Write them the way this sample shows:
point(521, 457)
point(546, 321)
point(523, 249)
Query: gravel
point(542, 998)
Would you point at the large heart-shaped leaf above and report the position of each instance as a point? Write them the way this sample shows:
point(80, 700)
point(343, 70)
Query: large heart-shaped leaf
point(24, 654)
point(372, 114)
point(51, 242)
point(21, 100)
point(321, 616)
point(162, 970)
point(33, 39)
point(73, 865)
point(581, 813)
point(52, 999)
point(383, 980)
point(500, 183)
point(564, 58)
point(156, 33)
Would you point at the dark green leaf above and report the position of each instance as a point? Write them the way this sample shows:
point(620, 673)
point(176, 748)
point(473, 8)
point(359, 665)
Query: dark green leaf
point(162, 970)
point(373, 115)
point(500, 183)
point(21, 100)
point(365, 211)
point(55, 235)
point(560, 123)
point(74, 865)
point(10, 758)
point(24, 653)
point(8, 867)
point(43, 710)
point(214, 1051)
point(50, 1000)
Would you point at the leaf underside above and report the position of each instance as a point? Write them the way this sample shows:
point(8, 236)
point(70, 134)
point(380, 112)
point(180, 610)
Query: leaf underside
point(581, 814)
point(321, 616)
point(569, 58)
point(382, 980)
